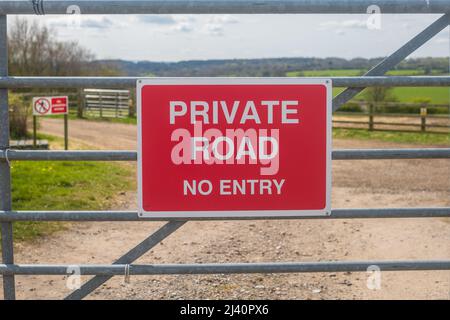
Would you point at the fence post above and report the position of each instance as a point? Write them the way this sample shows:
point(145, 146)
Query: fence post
point(423, 119)
point(80, 103)
point(100, 104)
point(131, 105)
point(371, 108)
point(9, 289)
point(117, 104)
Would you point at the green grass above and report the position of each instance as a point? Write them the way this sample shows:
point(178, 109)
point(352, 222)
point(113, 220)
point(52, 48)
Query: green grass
point(393, 136)
point(126, 120)
point(406, 72)
point(412, 72)
point(354, 72)
point(326, 73)
point(64, 186)
point(438, 95)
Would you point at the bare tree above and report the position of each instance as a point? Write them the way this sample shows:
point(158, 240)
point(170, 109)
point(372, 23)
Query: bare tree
point(34, 50)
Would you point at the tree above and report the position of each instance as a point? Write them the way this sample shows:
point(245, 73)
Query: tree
point(34, 50)
point(379, 94)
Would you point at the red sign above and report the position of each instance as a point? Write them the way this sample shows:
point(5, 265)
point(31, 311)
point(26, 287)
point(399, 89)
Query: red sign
point(43, 106)
point(223, 147)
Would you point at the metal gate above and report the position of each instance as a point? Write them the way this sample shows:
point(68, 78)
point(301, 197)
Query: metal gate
point(354, 85)
point(106, 103)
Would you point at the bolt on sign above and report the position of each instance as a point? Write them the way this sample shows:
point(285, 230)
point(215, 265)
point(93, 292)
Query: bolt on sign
point(45, 106)
point(234, 147)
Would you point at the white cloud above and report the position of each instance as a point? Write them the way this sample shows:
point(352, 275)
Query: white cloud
point(85, 22)
point(214, 29)
point(441, 40)
point(349, 24)
point(215, 24)
point(183, 23)
point(223, 19)
point(157, 19)
point(102, 23)
point(183, 27)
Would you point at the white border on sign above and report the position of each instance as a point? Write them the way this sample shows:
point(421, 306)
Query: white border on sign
point(233, 81)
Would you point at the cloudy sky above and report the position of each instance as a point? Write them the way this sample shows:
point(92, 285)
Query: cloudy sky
point(186, 37)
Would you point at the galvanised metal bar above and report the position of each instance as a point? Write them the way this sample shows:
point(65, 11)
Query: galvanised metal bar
point(221, 6)
point(129, 257)
point(5, 172)
point(130, 82)
point(43, 155)
point(344, 154)
point(380, 154)
point(395, 58)
point(228, 268)
point(373, 213)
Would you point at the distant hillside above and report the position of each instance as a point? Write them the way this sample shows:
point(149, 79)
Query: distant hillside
point(262, 67)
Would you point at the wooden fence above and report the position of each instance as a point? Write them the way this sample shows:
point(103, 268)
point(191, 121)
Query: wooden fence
point(389, 117)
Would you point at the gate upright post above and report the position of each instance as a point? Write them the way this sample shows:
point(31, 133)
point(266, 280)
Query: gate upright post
point(9, 290)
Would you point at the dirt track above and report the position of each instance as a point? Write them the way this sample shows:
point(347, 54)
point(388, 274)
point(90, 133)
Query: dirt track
point(393, 183)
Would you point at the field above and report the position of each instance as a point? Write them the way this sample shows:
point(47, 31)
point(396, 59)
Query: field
point(353, 72)
point(438, 95)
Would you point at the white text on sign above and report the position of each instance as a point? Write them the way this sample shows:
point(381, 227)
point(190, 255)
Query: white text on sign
point(234, 146)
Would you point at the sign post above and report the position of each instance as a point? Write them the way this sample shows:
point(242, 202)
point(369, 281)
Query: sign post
point(230, 147)
point(46, 106)
point(34, 131)
point(66, 132)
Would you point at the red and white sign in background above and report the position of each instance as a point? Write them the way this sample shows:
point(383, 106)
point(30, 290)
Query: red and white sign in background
point(224, 147)
point(45, 106)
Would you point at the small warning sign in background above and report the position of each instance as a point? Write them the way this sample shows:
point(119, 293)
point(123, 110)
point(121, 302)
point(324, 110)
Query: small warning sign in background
point(45, 106)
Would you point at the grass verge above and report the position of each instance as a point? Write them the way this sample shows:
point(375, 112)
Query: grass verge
point(393, 136)
point(64, 186)
point(125, 120)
